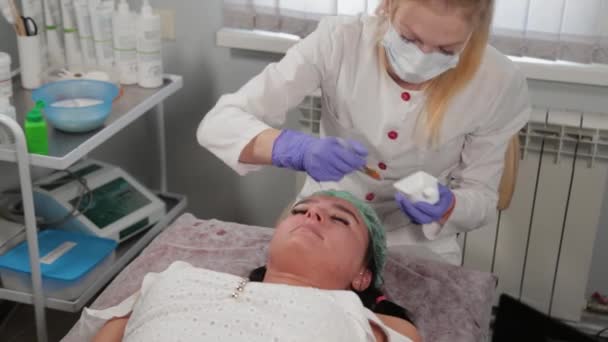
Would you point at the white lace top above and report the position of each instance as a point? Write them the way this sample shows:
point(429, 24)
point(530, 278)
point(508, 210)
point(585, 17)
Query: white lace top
point(185, 303)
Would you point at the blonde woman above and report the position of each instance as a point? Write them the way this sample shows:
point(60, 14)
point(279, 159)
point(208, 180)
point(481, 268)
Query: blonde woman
point(415, 88)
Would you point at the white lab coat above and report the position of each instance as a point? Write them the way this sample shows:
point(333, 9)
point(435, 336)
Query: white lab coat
point(360, 101)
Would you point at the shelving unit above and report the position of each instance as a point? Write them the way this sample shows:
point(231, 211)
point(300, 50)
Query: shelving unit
point(64, 151)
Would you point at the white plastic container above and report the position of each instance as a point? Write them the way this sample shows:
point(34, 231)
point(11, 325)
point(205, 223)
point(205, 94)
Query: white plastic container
point(6, 83)
point(419, 187)
point(125, 43)
point(29, 59)
point(149, 44)
point(70, 263)
point(101, 22)
point(33, 9)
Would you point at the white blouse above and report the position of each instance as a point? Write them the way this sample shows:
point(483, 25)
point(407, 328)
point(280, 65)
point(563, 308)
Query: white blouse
point(190, 304)
point(362, 102)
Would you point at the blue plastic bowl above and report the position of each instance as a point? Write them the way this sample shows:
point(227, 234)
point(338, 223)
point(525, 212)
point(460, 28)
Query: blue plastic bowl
point(76, 119)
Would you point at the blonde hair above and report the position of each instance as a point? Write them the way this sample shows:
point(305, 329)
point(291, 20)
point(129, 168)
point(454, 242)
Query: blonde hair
point(442, 89)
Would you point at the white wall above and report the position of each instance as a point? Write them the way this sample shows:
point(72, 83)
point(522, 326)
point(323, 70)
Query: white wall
point(209, 72)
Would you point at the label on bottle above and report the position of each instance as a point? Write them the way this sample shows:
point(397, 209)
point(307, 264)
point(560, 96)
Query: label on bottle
point(149, 41)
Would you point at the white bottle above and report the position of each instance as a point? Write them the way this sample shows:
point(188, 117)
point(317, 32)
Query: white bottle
point(6, 83)
point(102, 12)
point(125, 53)
point(73, 55)
point(85, 32)
point(56, 55)
point(149, 59)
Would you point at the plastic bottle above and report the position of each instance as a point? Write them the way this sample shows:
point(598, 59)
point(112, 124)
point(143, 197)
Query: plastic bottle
point(101, 22)
point(6, 84)
point(125, 53)
point(36, 131)
point(73, 54)
point(85, 32)
point(149, 59)
point(56, 55)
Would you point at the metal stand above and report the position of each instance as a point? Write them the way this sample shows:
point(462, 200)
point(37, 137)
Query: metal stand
point(22, 158)
point(162, 147)
point(65, 152)
point(31, 230)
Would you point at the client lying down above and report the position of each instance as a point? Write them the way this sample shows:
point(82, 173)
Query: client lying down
point(320, 281)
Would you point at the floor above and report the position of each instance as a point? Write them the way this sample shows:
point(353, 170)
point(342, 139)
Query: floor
point(20, 326)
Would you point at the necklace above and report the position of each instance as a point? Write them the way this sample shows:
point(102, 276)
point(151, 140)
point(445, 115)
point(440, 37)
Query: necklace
point(239, 289)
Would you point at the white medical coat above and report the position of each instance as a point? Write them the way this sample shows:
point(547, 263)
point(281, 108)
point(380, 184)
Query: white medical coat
point(360, 101)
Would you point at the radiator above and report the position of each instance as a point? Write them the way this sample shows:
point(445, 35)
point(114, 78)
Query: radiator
point(541, 247)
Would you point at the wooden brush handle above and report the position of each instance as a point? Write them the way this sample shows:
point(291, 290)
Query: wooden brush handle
point(19, 26)
point(509, 174)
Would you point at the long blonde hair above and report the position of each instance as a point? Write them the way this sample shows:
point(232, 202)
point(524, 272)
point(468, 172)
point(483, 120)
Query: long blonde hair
point(442, 89)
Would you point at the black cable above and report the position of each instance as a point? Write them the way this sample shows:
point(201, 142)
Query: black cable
point(85, 191)
point(68, 216)
point(599, 334)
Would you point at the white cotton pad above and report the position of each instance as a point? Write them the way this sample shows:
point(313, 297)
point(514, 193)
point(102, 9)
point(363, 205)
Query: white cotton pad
point(76, 103)
point(419, 187)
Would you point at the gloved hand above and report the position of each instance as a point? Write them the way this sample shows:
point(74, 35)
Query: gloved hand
point(324, 159)
point(425, 213)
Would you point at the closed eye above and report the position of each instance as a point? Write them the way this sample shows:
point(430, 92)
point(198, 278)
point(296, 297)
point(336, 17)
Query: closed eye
point(297, 211)
point(341, 220)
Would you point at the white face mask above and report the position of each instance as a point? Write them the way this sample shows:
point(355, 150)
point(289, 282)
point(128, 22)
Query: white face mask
point(410, 63)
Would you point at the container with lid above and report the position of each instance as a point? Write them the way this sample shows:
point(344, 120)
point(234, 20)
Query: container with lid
point(69, 262)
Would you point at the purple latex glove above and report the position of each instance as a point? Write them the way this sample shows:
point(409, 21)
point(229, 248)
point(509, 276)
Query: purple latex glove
point(425, 213)
point(324, 159)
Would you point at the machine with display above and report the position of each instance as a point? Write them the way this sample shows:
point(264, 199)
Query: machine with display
point(98, 199)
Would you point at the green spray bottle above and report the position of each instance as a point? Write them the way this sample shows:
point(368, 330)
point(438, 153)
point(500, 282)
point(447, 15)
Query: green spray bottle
point(35, 131)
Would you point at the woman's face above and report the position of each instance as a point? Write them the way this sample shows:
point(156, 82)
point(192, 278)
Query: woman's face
point(433, 26)
point(324, 239)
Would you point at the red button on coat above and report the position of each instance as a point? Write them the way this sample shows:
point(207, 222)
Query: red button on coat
point(370, 197)
point(393, 135)
point(406, 96)
point(382, 166)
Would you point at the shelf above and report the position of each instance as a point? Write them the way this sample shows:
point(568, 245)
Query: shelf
point(65, 149)
point(125, 252)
